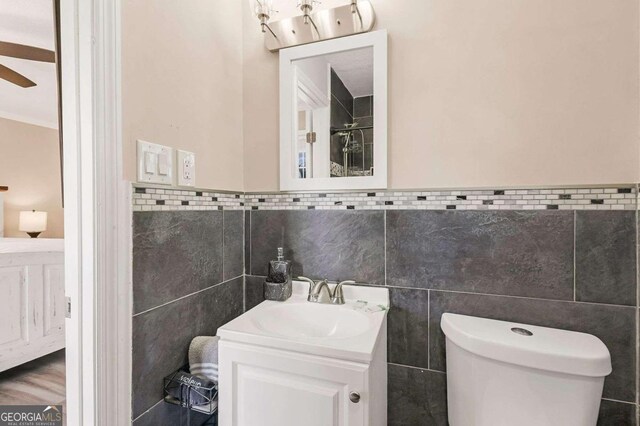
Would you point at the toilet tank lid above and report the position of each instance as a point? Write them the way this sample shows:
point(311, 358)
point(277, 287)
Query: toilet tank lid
point(544, 348)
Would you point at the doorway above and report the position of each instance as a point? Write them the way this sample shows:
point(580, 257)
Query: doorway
point(32, 327)
point(96, 215)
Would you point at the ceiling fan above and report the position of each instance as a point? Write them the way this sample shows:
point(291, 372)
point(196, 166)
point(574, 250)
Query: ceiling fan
point(21, 51)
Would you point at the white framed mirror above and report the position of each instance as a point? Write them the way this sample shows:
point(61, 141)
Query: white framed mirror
point(333, 114)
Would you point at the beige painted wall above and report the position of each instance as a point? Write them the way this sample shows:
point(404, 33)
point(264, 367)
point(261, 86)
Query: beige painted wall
point(486, 93)
point(182, 84)
point(30, 167)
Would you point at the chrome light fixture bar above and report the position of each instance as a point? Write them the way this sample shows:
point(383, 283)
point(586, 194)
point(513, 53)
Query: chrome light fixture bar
point(353, 18)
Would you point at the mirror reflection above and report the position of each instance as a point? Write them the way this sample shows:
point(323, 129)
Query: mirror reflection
point(334, 115)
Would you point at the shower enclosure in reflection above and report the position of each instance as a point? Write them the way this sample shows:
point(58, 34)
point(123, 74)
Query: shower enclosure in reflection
point(335, 121)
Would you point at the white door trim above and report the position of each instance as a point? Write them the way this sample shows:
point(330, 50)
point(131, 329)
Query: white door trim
point(97, 217)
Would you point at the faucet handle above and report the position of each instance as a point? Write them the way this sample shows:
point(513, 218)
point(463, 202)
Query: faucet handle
point(338, 296)
point(311, 282)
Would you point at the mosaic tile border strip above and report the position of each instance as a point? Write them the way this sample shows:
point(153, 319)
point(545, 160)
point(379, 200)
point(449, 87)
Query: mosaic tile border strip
point(615, 198)
point(154, 199)
point(611, 198)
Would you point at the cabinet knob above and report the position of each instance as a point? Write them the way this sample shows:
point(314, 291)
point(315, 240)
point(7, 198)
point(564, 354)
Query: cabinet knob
point(354, 397)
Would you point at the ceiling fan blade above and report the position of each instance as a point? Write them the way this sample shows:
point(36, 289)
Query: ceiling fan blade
point(14, 77)
point(31, 53)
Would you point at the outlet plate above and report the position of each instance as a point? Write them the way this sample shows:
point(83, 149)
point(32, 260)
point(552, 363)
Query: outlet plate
point(155, 163)
point(186, 168)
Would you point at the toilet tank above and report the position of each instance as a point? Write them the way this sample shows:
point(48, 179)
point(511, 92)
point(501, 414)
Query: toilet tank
point(504, 374)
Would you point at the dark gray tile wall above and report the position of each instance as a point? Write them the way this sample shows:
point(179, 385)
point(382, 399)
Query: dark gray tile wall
point(233, 249)
point(606, 257)
point(335, 245)
point(510, 252)
point(363, 107)
point(174, 254)
point(416, 396)
point(408, 328)
point(253, 291)
point(187, 281)
point(614, 413)
point(563, 269)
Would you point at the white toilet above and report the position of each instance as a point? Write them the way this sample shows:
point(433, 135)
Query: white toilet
point(505, 374)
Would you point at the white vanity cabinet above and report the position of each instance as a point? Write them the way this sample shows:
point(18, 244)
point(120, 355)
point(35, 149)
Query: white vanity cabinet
point(268, 379)
point(270, 387)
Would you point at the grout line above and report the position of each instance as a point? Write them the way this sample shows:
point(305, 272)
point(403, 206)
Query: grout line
point(617, 400)
point(631, 185)
point(253, 194)
point(575, 230)
point(188, 295)
point(244, 261)
point(482, 294)
point(385, 247)
point(416, 368)
point(148, 410)
point(223, 247)
point(637, 187)
point(637, 317)
point(428, 329)
point(511, 296)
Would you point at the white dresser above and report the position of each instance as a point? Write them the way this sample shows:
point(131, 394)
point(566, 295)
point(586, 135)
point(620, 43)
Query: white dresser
point(32, 302)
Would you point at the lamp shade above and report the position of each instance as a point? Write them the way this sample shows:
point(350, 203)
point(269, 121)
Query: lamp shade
point(33, 221)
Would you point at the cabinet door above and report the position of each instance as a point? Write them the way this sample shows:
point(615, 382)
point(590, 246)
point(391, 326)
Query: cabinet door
point(269, 387)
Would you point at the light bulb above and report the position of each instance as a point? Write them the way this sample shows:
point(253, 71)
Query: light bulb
point(306, 6)
point(263, 9)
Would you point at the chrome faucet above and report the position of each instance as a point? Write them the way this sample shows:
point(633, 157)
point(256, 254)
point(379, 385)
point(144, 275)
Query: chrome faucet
point(319, 291)
point(337, 298)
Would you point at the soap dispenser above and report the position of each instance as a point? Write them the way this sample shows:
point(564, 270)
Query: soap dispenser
point(278, 286)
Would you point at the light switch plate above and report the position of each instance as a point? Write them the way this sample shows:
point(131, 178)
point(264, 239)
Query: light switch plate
point(155, 163)
point(186, 162)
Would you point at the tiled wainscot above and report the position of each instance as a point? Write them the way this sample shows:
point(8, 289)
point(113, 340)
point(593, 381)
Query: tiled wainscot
point(564, 258)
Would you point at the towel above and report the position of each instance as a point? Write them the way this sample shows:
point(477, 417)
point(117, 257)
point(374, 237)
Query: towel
point(203, 357)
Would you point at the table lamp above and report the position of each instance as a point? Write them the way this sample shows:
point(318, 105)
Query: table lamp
point(33, 222)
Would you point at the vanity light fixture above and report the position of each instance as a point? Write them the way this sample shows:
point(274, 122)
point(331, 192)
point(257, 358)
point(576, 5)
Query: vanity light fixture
point(312, 25)
point(264, 10)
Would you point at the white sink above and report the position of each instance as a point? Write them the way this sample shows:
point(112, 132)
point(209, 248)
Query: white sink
point(312, 320)
point(348, 331)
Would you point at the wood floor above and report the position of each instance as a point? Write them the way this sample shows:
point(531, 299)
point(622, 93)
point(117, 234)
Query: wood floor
point(41, 381)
